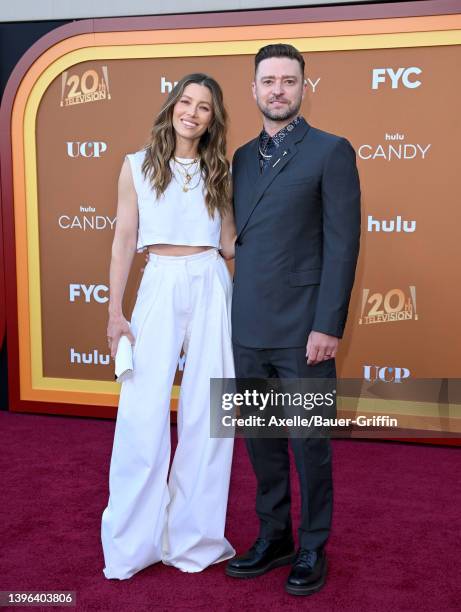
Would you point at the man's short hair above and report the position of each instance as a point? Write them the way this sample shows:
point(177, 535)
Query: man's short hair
point(279, 50)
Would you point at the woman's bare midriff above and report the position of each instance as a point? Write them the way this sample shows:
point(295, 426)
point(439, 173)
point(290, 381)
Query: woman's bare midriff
point(176, 250)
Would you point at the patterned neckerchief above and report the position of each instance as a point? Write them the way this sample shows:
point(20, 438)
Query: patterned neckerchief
point(269, 145)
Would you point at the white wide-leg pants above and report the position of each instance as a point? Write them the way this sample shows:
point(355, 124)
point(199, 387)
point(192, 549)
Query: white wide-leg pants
point(180, 520)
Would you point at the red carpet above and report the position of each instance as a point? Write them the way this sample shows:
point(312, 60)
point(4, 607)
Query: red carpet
point(395, 543)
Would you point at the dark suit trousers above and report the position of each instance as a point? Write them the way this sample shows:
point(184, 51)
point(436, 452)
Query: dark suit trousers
point(270, 457)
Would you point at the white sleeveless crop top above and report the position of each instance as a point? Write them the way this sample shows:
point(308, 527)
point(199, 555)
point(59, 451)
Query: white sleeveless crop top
point(177, 217)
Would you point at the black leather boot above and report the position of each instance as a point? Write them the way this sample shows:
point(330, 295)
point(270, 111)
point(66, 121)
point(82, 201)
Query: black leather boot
point(308, 573)
point(263, 556)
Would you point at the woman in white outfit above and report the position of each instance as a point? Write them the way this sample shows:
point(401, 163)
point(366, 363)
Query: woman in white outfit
point(174, 199)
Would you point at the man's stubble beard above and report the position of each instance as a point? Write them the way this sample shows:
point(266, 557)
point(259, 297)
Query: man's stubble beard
point(290, 113)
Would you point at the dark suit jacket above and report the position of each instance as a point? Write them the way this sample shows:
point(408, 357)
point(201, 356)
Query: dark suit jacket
point(298, 233)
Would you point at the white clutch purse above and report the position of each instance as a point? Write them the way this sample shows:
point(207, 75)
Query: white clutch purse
point(123, 360)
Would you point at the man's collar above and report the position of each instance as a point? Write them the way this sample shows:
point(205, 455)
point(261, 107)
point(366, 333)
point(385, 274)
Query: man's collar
point(279, 136)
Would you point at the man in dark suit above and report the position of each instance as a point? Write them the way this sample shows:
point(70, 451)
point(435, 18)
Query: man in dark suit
point(297, 213)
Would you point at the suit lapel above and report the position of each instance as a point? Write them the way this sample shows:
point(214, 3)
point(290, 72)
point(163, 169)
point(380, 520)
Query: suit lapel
point(285, 153)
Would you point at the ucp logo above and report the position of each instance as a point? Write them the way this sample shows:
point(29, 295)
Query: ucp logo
point(86, 149)
point(373, 373)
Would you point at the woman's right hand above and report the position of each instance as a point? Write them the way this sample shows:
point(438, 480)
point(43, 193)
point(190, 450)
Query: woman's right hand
point(118, 326)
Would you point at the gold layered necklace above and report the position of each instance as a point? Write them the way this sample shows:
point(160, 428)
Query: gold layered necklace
point(187, 171)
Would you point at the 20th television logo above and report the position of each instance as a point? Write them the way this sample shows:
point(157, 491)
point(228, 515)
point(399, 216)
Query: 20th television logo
point(394, 305)
point(91, 86)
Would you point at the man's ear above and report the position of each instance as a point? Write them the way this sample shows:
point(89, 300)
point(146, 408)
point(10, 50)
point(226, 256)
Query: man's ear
point(253, 89)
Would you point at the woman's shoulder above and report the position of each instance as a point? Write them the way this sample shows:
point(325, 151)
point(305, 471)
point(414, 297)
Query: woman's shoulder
point(137, 155)
point(135, 161)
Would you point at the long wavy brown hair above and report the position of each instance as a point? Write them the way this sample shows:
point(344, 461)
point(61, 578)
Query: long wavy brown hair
point(211, 148)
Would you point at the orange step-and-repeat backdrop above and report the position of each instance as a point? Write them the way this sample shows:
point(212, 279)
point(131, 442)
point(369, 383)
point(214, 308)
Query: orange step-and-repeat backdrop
point(387, 85)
